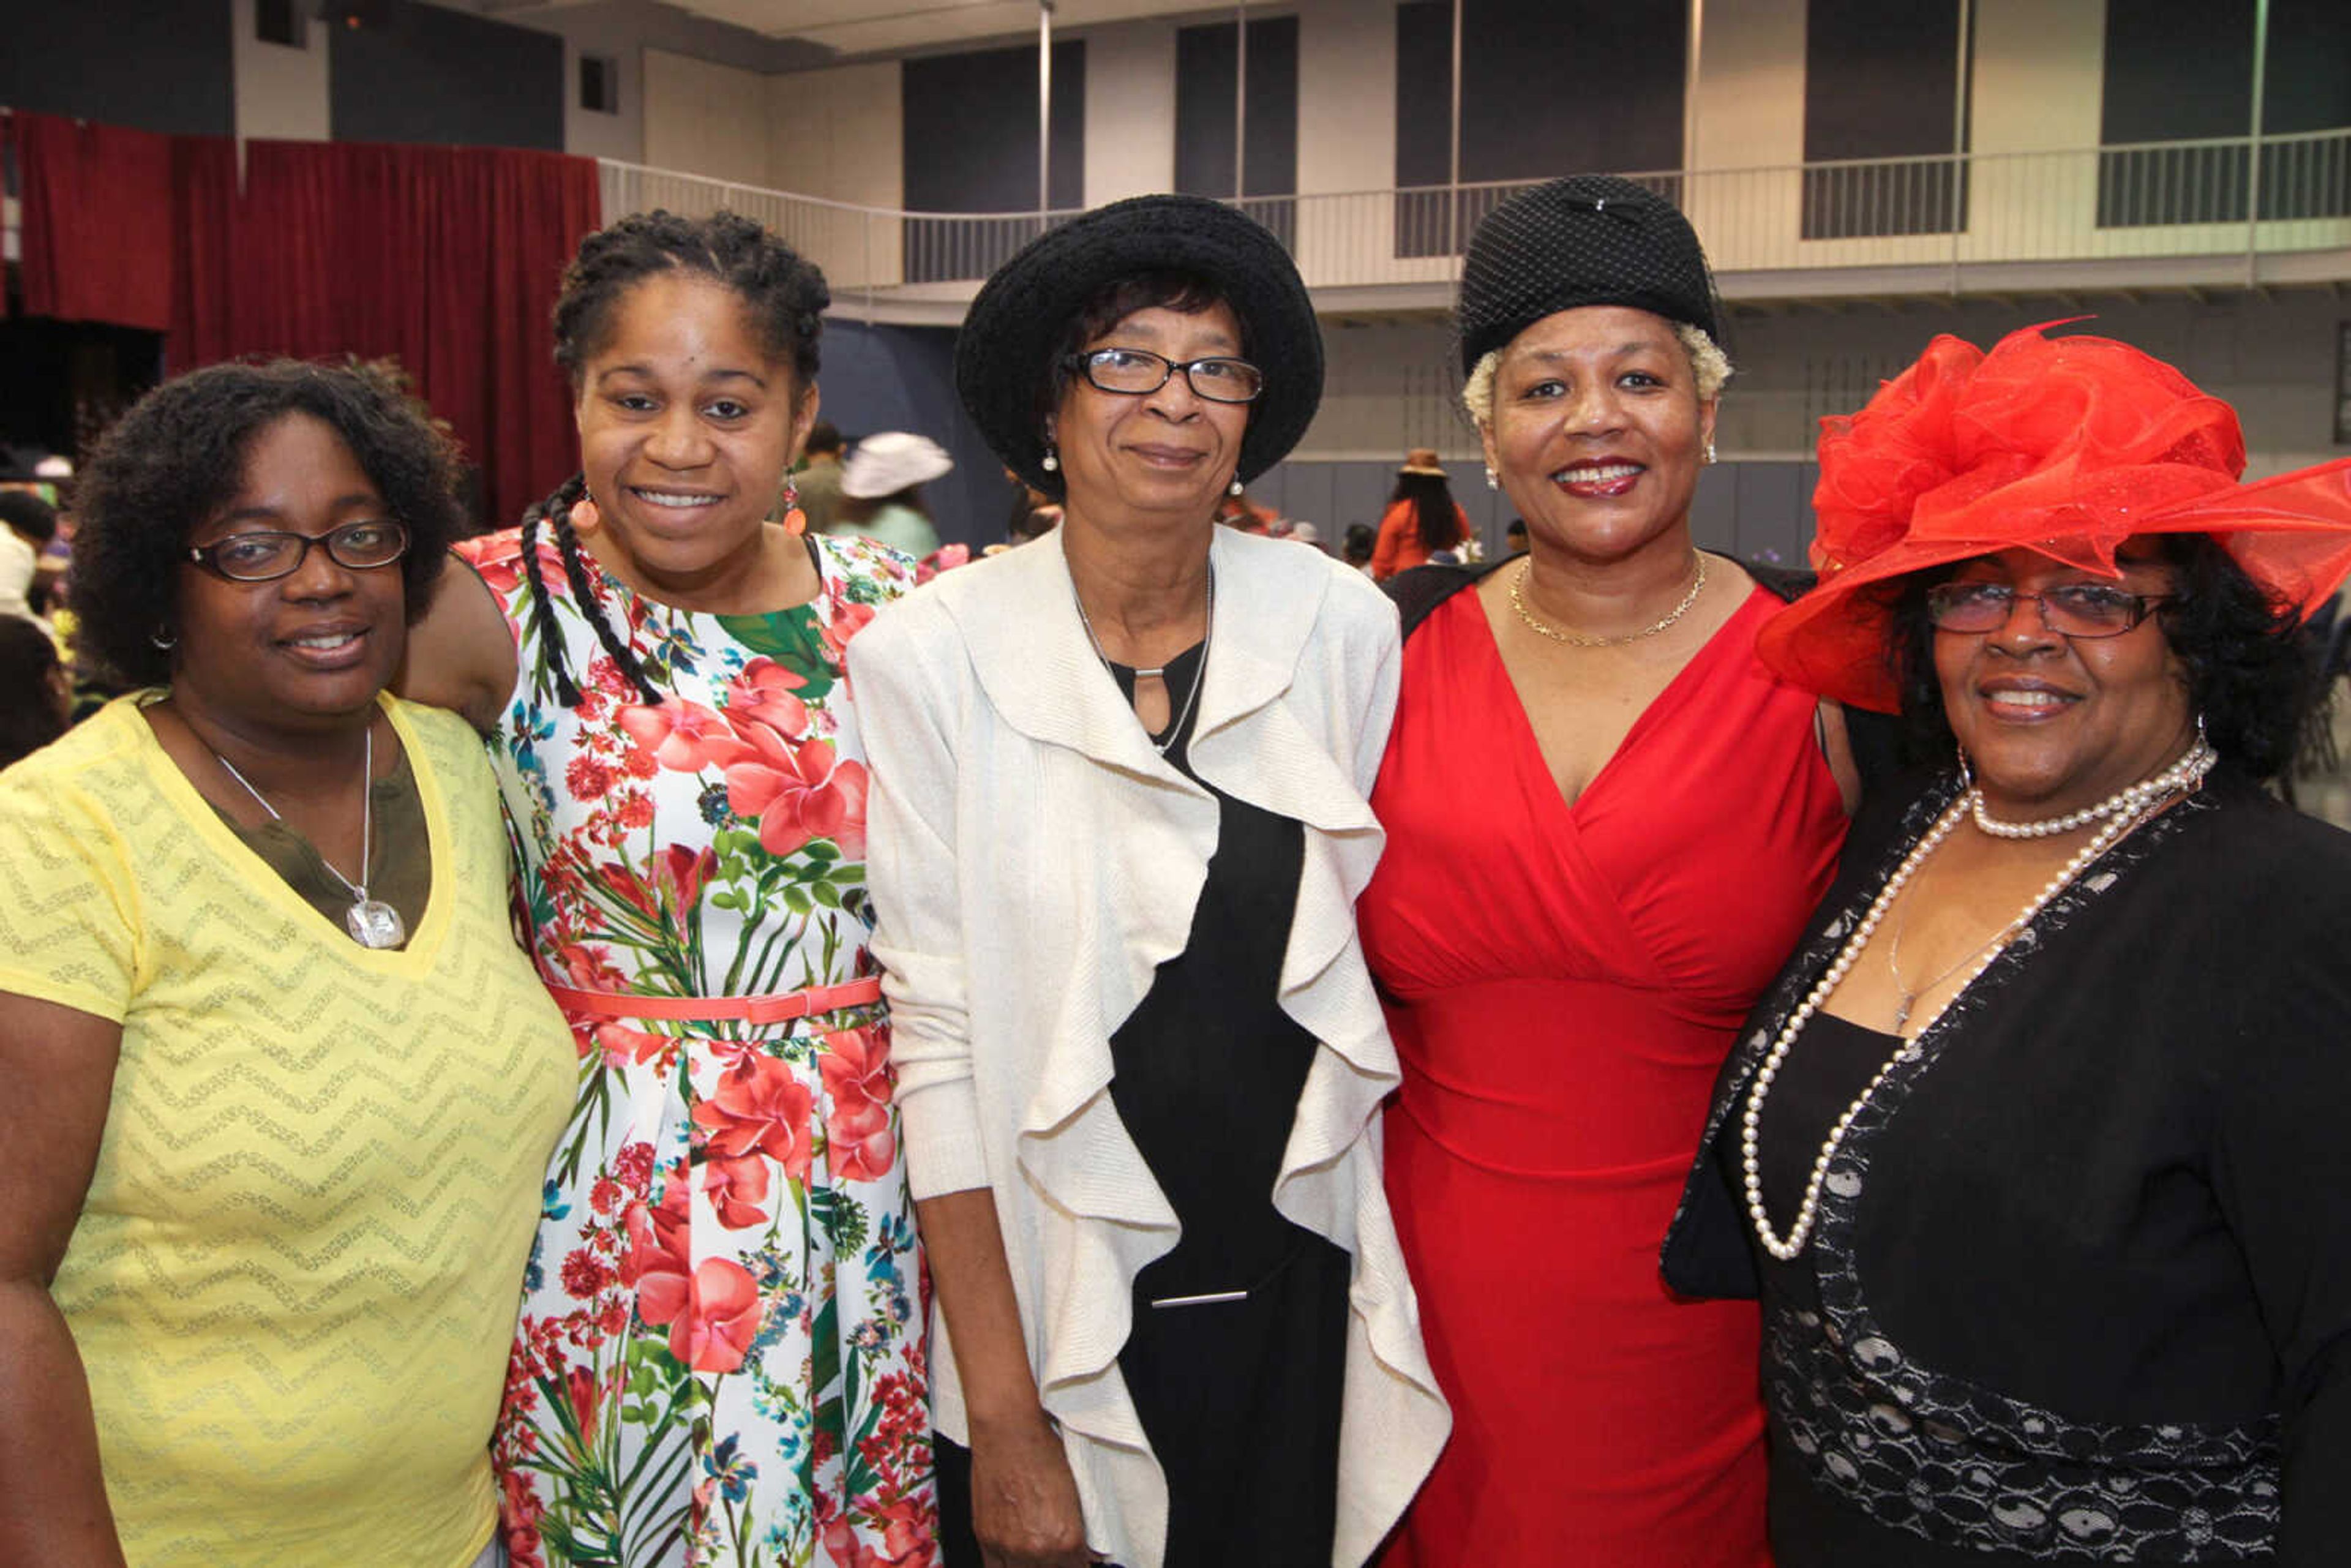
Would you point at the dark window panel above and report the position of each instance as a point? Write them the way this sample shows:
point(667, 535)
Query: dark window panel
point(1207, 66)
point(2306, 86)
point(1882, 82)
point(970, 133)
point(159, 65)
point(418, 73)
point(1565, 86)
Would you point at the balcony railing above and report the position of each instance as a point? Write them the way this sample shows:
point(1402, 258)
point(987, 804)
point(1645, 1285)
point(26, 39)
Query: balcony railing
point(2276, 209)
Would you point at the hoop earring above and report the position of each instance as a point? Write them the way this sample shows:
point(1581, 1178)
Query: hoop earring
point(1051, 463)
point(163, 639)
point(1493, 480)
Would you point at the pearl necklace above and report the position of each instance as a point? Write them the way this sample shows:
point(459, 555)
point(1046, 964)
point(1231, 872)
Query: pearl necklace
point(1576, 638)
point(2120, 812)
point(2125, 802)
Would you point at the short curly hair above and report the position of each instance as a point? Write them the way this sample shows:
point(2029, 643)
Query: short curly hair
point(178, 456)
point(2249, 673)
point(784, 291)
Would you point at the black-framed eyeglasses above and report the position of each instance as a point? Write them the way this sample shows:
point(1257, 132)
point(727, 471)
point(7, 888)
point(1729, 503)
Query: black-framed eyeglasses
point(263, 557)
point(2072, 609)
point(1138, 373)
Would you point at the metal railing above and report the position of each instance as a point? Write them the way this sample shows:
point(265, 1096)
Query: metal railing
point(1868, 226)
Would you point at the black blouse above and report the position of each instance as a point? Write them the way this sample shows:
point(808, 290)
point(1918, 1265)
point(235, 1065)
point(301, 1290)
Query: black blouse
point(2079, 1288)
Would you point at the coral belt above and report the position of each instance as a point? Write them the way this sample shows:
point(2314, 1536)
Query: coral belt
point(742, 1010)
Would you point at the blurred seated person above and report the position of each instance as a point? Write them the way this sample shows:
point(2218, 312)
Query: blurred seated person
point(34, 696)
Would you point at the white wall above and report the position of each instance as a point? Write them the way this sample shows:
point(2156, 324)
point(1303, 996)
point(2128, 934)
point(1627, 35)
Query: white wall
point(1129, 110)
point(281, 92)
point(705, 118)
point(839, 134)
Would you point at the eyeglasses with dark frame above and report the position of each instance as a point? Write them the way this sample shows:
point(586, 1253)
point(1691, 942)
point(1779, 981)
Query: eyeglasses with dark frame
point(264, 555)
point(1139, 372)
point(2071, 610)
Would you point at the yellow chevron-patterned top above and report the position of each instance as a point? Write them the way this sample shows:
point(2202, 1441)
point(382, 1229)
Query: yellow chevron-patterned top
point(295, 1278)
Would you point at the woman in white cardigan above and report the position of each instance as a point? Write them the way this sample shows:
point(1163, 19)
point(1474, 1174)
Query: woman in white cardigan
point(1117, 830)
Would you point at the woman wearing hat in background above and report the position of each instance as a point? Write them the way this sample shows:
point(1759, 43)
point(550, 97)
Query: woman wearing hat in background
point(1118, 829)
point(881, 490)
point(1563, 989)
point(2036, 1151)
point(1422, 518)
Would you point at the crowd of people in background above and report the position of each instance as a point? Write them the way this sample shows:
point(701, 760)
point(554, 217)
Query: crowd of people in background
point(715, 1021)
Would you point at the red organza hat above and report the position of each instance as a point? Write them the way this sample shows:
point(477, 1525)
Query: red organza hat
point(2063, 445)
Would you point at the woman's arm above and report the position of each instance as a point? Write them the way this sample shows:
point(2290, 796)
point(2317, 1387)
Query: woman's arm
point(1024, 1507)
point(58, 1064)
point(461, 656)
point(1024, 1500)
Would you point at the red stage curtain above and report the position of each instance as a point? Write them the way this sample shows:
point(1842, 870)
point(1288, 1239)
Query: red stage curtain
point(446, 258)
point(96, 225)
point(204, 217)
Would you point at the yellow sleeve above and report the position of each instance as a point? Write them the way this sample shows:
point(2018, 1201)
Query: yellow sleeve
point(68, 923)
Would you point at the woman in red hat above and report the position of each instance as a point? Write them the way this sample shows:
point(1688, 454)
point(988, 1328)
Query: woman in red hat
point(2034, 1154)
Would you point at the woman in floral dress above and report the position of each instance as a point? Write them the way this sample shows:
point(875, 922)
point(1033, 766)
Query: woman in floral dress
point(719, 1358)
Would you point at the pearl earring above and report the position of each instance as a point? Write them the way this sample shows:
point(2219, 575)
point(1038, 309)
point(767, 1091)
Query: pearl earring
point(1235, 488)
point(1050, 463)
point(1493, 480)
point(1710, 450)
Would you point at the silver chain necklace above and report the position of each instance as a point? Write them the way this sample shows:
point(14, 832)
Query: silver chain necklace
point(1199, 671)
point(372, 922)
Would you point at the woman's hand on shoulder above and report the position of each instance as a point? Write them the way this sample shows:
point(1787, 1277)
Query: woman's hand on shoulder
point(461, 656)
point(1024, 1500)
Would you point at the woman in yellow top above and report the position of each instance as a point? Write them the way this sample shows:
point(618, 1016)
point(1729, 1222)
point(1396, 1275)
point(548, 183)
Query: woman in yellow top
point(280, 1085)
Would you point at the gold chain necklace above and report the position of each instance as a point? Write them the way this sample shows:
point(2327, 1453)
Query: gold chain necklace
point(1576, 640)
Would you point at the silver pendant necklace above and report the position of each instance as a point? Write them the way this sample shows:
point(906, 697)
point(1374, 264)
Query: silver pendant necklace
point(1199, 671)
point(372, 922)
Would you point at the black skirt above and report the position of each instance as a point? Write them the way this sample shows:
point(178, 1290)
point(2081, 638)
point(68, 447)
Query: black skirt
point(1239, 1394)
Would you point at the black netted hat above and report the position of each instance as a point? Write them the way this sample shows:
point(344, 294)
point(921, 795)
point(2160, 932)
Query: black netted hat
point(1021, 314)
point(1588, 239)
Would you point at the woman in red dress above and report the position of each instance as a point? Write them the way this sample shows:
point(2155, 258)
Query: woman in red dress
point(1607, 823)
point(1422, 518)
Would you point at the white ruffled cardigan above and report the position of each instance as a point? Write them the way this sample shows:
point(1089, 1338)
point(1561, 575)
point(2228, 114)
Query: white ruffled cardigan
point(1033, 860)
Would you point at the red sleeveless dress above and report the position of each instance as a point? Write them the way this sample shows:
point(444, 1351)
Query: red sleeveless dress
point(1562, 983)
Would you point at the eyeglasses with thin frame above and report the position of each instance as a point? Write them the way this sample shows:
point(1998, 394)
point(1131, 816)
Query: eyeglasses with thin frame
point(265, 556)
point(1138, 373)
point(2071, 610)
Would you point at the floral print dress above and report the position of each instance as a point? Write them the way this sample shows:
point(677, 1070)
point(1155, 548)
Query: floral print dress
point(720, 1357)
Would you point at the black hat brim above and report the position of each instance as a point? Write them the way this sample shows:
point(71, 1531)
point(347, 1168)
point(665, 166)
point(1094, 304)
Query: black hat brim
point(1017, 321)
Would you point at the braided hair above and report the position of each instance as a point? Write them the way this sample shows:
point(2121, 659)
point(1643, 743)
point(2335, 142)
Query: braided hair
point(786, 297)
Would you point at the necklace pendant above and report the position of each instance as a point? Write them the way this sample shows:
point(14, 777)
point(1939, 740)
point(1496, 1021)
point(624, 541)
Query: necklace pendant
point(1902, 1011)
point(374, 923)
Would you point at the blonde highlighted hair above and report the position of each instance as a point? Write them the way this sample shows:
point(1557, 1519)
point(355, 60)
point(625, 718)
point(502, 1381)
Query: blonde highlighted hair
point(1708, 365)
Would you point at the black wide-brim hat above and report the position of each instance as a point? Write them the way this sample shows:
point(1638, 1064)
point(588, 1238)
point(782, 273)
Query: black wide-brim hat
point(1018, 320)
point(1587, 239)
